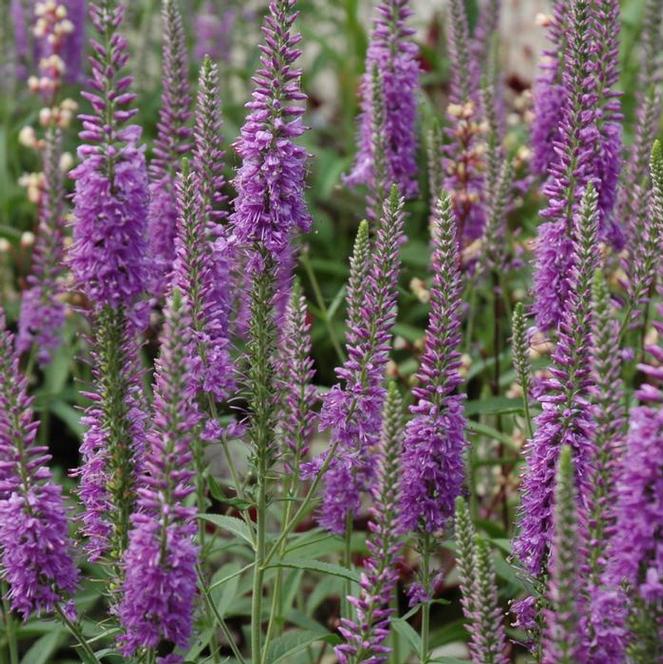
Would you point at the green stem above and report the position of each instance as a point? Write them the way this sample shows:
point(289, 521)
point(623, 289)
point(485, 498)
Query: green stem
point(320, 300)
point(258, 572)
point(78, 635)
point(219, 618)
point(347, 563)
point(9, 625)
point(425, 607)
point(303, 507)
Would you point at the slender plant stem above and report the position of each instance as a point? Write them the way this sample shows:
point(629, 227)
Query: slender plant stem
point(347, 563)
point(9, 626)
point(77, 634)
point(303, 507)
point(425, 607)
point(320, 300)
point(258, 572)
point(219, 618)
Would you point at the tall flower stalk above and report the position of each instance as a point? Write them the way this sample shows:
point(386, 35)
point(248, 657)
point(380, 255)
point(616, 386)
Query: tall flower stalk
point(563, 638)
point(463, 155)
point(567, 417)
point(479, 588)
point(432, 461)
point(570, 173)
point(109, 262)
point(268, 210)
point(159, 587)
point(393, 54)
point(365, 636)
point(42, 309)
point(36, 551)
point(352, 410)
point(173, 141)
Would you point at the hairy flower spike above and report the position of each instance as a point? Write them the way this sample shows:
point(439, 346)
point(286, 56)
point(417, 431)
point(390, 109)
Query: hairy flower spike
point(567, 417)
point(433, 467)
point(108, 255)
point(633, 200)
point(550, 93)
point(213, 27)
point(479, 589)
point(464, 153)
point(36, 551)
point(270, 183)
point(365, 636)
point(495, 231)
point(353, 410)
point(563, 644)
point(114, 439)
point(570, 173)
point(209, 156)
point(172, 142)
point(160, 583)
point(520, 352)
point(194, 273)
point(297, 417)
point(393, 54)
point(42, 310)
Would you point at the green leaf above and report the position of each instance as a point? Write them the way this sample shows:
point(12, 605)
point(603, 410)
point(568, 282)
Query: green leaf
point(225, 593)
point(491, 432)
point(231, 524)
point(406, 631)
point(294, 641)
point(44, 648)
point(319, 566)
point(69, 415)
point(493, 406)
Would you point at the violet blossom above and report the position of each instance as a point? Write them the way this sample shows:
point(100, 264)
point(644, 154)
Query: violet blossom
point(159, 587)
point(172, 142)
point(393, 53)
point(567, 417)
point(108, 254)
point(36, 550)
point(432, 463)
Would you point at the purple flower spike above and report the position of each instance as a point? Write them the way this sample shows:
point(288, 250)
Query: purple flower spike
point(213, 30)
point(108, 255)
point(365, 636)
point(42, 310)
point(36, 551)
point(160, 564)
point(114, 439)
point(270, 202)
point(29, 50)
point(567, 417)
point(394, 54)
point(563, 642)
point(549, 91)
point(569, 173)
point(172, 142)
point(195, 273)
point(433, 469)
point(353, 411)
point(297, 418)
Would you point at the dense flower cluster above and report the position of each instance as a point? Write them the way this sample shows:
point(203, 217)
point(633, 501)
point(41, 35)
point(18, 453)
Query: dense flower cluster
point(172, 142)
point(36, 552)
point(160, 582)
point(393, 54)
point(433, 467)
point(352, 410)
point(108, 256)
point(270, 199)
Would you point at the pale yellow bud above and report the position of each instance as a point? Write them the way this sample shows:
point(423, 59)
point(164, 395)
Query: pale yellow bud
point(33, 84)
point(543, 20)
point(27, 239)
point(45, 117)
point(66, 162)
point(61, 12)
point(27, 137)
point(418, 288)
point(5, 245)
